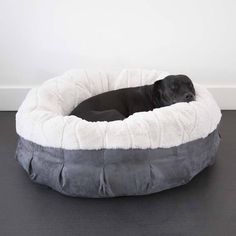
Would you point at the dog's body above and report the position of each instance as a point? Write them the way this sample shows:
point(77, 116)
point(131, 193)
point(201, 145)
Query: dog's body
point(116, 104)
point(121, 103)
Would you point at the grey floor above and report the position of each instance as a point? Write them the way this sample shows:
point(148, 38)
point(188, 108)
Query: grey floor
point(205, 206)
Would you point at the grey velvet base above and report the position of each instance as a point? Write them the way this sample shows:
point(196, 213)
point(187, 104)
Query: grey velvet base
point(116, 172)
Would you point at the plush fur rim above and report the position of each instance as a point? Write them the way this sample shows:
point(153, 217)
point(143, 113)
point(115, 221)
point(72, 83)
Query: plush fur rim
point(42, 116)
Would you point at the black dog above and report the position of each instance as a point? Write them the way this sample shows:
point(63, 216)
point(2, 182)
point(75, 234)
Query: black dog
point(121, 103)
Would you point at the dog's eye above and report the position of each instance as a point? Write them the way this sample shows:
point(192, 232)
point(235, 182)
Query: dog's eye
point(173, 87)
point(191, 86)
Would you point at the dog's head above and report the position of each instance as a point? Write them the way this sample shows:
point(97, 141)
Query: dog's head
point(173, 89)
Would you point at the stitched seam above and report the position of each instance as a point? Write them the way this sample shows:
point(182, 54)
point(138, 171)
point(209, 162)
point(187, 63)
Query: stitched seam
point(210, 129)
point(57, 94)
point(150, 172)
point(147, 133)
point(160, 129)
point(87, 77)
point(195, 121)
point(77, 136)
point(36, 107)
point(178, 121)
point(129, 134)
point(105, 137)
point(149, 137)
point(108, 85)
point(42, 127)
point(63, 130)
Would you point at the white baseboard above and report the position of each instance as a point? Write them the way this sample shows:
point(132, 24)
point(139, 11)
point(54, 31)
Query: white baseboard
point(12, 97)
point(225, 96)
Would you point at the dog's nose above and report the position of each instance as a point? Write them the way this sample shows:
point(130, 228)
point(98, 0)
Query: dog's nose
point(189, 97)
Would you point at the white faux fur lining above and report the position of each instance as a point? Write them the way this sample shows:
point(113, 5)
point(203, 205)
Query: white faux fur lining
point(43, 116)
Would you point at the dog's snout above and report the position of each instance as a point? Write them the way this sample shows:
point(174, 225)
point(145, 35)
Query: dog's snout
point(189, 97)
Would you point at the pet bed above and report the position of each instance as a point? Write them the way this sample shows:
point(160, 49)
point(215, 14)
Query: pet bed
point(146, 153)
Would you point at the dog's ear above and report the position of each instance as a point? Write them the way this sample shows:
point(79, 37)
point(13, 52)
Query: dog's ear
point(158, 87)
point(157, 93)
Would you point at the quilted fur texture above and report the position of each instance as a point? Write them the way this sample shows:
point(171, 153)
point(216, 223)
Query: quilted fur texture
point(43, 116)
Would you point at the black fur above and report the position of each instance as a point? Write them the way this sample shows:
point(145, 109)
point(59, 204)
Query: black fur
point(121, 103)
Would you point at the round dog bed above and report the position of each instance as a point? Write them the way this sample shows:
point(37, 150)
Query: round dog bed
point(145, 153)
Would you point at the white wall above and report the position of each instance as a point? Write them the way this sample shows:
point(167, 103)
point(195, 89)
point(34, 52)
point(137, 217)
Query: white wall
point(43, 38)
